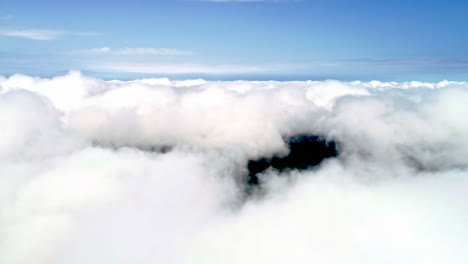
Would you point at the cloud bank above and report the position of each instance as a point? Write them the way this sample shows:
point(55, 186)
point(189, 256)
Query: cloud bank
point(150, 171)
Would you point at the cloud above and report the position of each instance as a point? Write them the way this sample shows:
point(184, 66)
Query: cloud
point(345, 69)
point(133, 51)
point(152, 171)
point(41, 34)
point(32, 34)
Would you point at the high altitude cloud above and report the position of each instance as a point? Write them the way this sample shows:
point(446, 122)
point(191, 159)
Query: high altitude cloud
point(150, 171)
point(133, 51)
point(323, 68)
point(41, 34)
point(31, 34)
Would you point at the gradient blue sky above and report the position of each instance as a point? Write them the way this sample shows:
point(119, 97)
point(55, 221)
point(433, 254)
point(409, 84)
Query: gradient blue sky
point(308, 39)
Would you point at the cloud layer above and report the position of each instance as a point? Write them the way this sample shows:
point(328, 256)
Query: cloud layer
point(149, 171)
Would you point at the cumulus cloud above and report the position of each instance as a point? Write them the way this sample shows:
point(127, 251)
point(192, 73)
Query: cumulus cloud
point(150, 171)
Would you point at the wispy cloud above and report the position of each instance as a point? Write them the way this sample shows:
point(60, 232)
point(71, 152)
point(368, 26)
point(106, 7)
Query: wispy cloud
point(31, 34)
point(340, 68)
point(41, 34)
point(133, 51)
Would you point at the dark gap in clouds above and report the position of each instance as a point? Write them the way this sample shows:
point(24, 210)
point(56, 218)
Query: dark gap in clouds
point(162, 149)
point(305, 152)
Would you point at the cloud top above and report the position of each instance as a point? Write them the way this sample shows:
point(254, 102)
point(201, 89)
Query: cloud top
point(151, 171)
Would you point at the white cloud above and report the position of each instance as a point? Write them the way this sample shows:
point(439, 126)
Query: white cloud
point(133, 51)
point(104, 50)
point(41, 34)
point(321, 68)
point(80, 184)
point(35, 34)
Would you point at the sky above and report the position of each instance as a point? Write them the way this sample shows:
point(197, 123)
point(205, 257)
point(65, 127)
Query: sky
point(386, 40)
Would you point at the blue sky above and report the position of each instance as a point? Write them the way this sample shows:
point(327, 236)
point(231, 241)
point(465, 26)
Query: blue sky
point(308, 39)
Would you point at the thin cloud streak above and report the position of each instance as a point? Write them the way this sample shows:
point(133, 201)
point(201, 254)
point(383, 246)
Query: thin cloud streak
point(33, 34)
point(132, 51)
point(309, 67)
point(42, 34)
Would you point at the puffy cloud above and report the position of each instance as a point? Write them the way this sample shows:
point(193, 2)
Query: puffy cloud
point(63, 91)
point(150, 171)
point(30, 127)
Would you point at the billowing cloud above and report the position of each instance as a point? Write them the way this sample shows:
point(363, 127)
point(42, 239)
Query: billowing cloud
point(153, 171)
